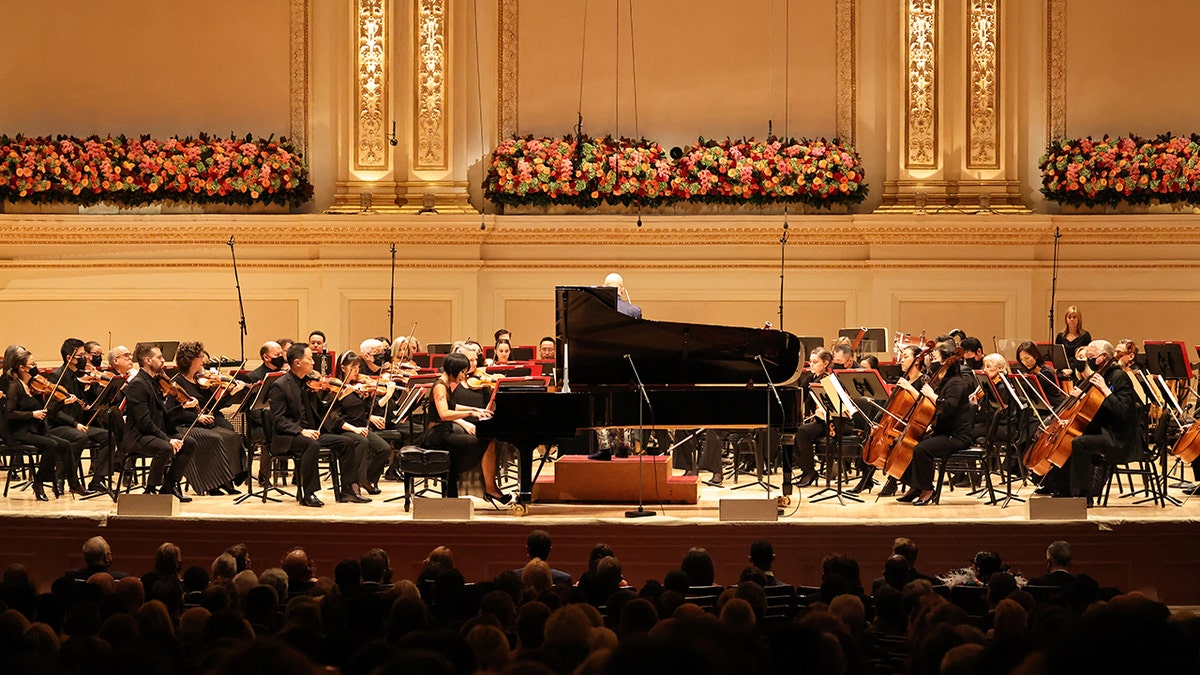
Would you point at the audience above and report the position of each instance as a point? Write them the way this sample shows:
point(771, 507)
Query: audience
point(364, 621)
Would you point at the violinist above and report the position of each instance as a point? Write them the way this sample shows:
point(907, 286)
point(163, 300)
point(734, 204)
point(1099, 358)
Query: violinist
point(1112, 435)
point(296, 415)
point(546, 349)
point(815, 425)
point(70, 421)
point(373, 356)
point(1073, 338)
point(148, 430)
point(972, 355)
point(449, 429)
point(1031, 362)
point(352, 418)
point(952, 426)
point(95, 355)
point(402, 357)
point(25, 414)
point(218, 460)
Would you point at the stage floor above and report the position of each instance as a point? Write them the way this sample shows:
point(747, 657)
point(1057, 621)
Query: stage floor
point(1133, 547)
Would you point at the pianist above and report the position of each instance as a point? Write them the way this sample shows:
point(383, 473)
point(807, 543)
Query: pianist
point(624, 306)
point(451, 431)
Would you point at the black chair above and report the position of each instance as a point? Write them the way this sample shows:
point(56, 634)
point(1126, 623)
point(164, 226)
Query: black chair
point(1145, 466)
point(425, 464)
point(1047, 595)
point(973, 461)
point(704, 596)
point(781, 602)
point(21, 461)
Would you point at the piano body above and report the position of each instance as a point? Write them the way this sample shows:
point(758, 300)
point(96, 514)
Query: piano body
point(696, 375)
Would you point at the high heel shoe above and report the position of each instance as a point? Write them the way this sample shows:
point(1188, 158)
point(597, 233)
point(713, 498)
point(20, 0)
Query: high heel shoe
point(498, 503)
point(889, 488)
point(909, 496)
point(39, 491)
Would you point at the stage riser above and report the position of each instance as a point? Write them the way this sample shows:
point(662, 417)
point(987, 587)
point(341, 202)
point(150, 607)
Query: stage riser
point(1159, 558)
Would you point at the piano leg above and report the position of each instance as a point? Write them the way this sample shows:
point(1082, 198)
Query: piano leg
point(525, 472)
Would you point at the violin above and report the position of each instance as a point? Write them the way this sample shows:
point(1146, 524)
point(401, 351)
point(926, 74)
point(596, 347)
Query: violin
point(96, 377)
point(45, 387)
point(481, 379)
point(171, 389)
point(213, 379)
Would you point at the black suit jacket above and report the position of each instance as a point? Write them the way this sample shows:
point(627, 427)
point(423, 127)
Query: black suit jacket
point(293, 410)
point(1116, 420)
point(1057, 578)
point(258, 374)
point(145, 416)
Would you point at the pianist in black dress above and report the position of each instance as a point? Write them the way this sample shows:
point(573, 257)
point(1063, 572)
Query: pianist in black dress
point(450, 430)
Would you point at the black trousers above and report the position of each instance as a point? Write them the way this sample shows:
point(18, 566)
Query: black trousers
point(925, 454)
point(102, 462)
point(166, 465)
point(305, 451)
point(52, 450)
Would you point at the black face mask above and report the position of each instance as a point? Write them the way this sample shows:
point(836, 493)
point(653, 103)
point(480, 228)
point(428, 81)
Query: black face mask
point(1094, 364)
point(975, 364)
point(278, 362)
point(97, 361)
point(379, 359)
point(33, 372)
point(81, 363)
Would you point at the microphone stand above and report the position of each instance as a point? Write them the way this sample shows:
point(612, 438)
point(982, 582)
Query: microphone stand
point(1054, 282)
point(641, 512)
point(782, 254)
point(785, 459)
point(392, 302)
point(241, 307)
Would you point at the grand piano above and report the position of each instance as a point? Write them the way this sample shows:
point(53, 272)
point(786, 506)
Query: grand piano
point(695, 375)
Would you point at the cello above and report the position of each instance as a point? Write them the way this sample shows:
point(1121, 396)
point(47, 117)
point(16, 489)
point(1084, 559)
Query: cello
point(918, 422)
point(1053, 446)
point(896, 412)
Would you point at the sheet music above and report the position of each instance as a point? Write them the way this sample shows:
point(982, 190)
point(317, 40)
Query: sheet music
point(838, 397)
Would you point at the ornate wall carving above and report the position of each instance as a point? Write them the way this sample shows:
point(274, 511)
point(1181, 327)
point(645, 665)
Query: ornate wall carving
point(1056, 69)
point(431, 105)
point(506, 56)
point(983, 85)
point(371, 86)
point(921, 126)
point(298, 68)
point(847, 77)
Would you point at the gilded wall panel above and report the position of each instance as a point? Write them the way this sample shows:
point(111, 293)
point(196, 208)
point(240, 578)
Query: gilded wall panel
point(371, 90)
point(921, 86)
point(983, 85)
point(430, 81)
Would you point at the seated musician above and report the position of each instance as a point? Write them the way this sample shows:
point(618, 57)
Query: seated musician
point(218, 461)
point(1112, 435)
point(624, 304)
point(70, 422)
point(843, 357)
point(373, 356)
point(353, 417)
point(815, 426)
point(502, 334)
point(449, 429)
point(502, 353)
point(1031, 362)
point(296, 414)
point(148, 430)
point(952, 426)
point(912, 371)
point(322, 359)
point(972, 353)
point(273, 361)
point(402, 357)
point(546, 349)
point(25, 413)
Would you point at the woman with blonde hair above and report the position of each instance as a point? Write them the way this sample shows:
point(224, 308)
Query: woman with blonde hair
point(1073, 338)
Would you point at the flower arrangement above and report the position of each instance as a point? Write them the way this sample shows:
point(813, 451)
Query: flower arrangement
point(586, 172)
point(1108, 171)
point(135, 172)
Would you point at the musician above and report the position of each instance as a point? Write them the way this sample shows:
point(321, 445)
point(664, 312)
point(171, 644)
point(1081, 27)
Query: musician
point(819, 364)
point(502, 334)
point(911, 370)
point(1073, 338)
point(1126, 353)
point(402, 355)
point(273, 361)
point(952, 425)
point(972, 353)
point(353, 418)
point(70, 421)
point(120, 359)
point(546, 349)
point(450, 430)
point(148, 430)
point(624, 305)
point(296, 420)
point(1031, 362)
point(1112, 435)
point(217, 461)
point(322, 360)
point(843, 357)
point(501, 353)
point(95, 354)
point(25, 415)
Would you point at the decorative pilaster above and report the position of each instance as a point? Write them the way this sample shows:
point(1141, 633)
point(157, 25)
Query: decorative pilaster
point(983, 85)
point(506, 76)
point(1056, 69)
point(921, 91)
point(298, 70)
point(371, 87)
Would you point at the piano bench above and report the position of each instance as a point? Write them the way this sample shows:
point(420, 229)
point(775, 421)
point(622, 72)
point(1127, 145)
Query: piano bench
point(416, 462)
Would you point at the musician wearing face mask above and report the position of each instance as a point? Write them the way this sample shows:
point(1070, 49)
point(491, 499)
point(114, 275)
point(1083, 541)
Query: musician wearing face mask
point(353, 418)
point(952, 426)
point(1031, 362)
point(1112, 435)
point(148, 430)
point(972, 353)
point(70, 422)
point(25, 413)
point(217, 463)
point(273, 361)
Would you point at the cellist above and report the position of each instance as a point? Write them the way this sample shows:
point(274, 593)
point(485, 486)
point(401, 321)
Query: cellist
point(911, 366)
point(952, 426)
point(1110, 438)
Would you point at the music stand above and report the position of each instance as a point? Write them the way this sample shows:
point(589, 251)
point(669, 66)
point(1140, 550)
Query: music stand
point(890, 372)
point(104, 405)
point(167, 347)
point(1169, 359)
point(256, 401)
point(1059, 358)
point(833, 397)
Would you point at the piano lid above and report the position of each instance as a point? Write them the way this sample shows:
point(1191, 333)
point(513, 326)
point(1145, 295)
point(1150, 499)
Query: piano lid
point(598, 337)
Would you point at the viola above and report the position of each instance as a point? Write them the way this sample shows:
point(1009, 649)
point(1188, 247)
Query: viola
point(481, 379)
point(212, 379)
point(41, 385)
point(172, 389)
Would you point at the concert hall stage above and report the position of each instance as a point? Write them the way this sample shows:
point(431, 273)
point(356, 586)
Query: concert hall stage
point(1141, 547)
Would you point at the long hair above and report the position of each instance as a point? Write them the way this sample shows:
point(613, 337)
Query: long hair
point(1078, 315)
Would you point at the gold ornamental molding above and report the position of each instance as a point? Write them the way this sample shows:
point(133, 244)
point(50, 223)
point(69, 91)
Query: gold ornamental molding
point(506, 59)
point(370, 129)
point(1056, 69)
point(983, 85)
point(847, 77)
point(921, 92)
point(431, 104)
point(298, 54)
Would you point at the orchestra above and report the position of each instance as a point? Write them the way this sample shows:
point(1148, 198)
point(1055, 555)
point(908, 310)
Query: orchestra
point(945, 397)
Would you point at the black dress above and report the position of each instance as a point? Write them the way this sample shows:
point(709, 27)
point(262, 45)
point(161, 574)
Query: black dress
point(1073, 346)
point(466, 449)
point(218, 457)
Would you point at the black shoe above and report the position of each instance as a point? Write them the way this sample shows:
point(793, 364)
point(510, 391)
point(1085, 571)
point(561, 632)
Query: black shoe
point(962, 481)
point(372, 489)
point(1044, 490)
point(177, 494)
point(81, 491)
point(864, 484)
point(909, 496)
point(393, 475)
point(215, 492)
point(923, 502)
point(716, 480)
point(807, 479)
point(60, 487)
point(40, 492)
point(312, 501)
point(98, 486)
point(498, 502)
point(889, 487)
point(230, 490)
point(602, 455)
point(351, 498)
point(1192, 490)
